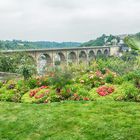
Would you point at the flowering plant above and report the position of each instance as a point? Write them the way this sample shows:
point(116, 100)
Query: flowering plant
point(105, 90)
point(35, 91)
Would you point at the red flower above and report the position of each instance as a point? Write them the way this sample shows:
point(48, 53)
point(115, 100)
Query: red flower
point(39, 96)
point(86, 99)
point(32, 93)
point(104, 90)
point(42, 87)
point(110, 90)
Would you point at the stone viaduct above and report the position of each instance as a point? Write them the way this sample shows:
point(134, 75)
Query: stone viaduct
point(68, 55)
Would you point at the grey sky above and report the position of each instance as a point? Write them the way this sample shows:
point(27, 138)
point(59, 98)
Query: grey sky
point(67, 20)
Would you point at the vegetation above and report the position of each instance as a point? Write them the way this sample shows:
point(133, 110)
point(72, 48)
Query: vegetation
point(109, 77)
point(101, 41)
point(133, 41)
point(74, 102)
point(20, 63)
point(19, 44)
point(99, 120)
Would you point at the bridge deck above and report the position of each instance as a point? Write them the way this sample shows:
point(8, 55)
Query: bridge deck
point(55, 49)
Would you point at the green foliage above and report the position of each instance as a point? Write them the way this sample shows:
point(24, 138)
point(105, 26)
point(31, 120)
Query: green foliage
point(97, 120)
point(83, 92)
point(13, 91)
point(109, 78)
point(6, 63)
point(116, 64)
point(32, 83)
point(100, 41)
point(18, 63)
point(7, 95)
point(130, 90)
point(1, 84)
point(26, 98)
point(127, 91)
point(19, 44)
point(78, 83)
point(133, 42)
point(133, 76)
point(60, 78)
point(118, 80)
point(26, 66)
point(129, 56)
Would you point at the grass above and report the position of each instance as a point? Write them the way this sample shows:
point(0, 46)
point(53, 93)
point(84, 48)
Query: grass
point(98, 120)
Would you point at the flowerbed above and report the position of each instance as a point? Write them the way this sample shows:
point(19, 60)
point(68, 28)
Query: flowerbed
point(74, 83)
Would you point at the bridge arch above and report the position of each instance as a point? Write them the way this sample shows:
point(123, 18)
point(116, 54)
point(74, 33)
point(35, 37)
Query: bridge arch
point(60, 58)
point(106, 52)
point(91, 55)
point(82, 56)
point(43, 61)
point(32, 57)
point(99, 52)
point(72, 57)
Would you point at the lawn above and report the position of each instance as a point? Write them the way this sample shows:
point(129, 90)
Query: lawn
point(97, 120)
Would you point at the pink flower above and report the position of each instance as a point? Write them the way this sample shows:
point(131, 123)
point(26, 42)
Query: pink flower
point(104, 90)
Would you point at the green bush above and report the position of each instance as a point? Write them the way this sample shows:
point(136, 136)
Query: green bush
point(109, 78)
point(60, 78)
point(83, 92)
point(32, 83)
point(7, 95)
point(1, 84)
point(42, 95)
point(127, 91)
point(115, 64)
point(130, 91)
point(22, 87)
point(118, 80)
point(53, 97)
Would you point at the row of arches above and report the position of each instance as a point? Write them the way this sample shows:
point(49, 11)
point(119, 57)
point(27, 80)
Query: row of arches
point(45, 59)
point(73, 57)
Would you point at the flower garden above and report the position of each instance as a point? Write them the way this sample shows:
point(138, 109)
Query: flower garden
point(116, 81)
point(100, 101)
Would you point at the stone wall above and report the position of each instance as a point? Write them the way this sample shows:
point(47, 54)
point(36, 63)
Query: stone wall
point(5, 76)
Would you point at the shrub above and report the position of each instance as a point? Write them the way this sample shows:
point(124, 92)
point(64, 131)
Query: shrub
point(37, 95)
point(22, 87)
point(59, 79)
point(130, 91)
point(7, 95)
point(1, 84)
point(82, 92)
point(109, 78)
point(66, 93)
point(127, 91)
point(32, 83)
point(118, 80)
point(10, 84)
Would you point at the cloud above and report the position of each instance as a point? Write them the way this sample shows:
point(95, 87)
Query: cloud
point(64, 20)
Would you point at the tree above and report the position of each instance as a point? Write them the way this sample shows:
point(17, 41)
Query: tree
point(26, 66)
point(20, 63)
point(6, 63)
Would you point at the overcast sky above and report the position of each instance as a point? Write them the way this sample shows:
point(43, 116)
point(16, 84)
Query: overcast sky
point(67, 20)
